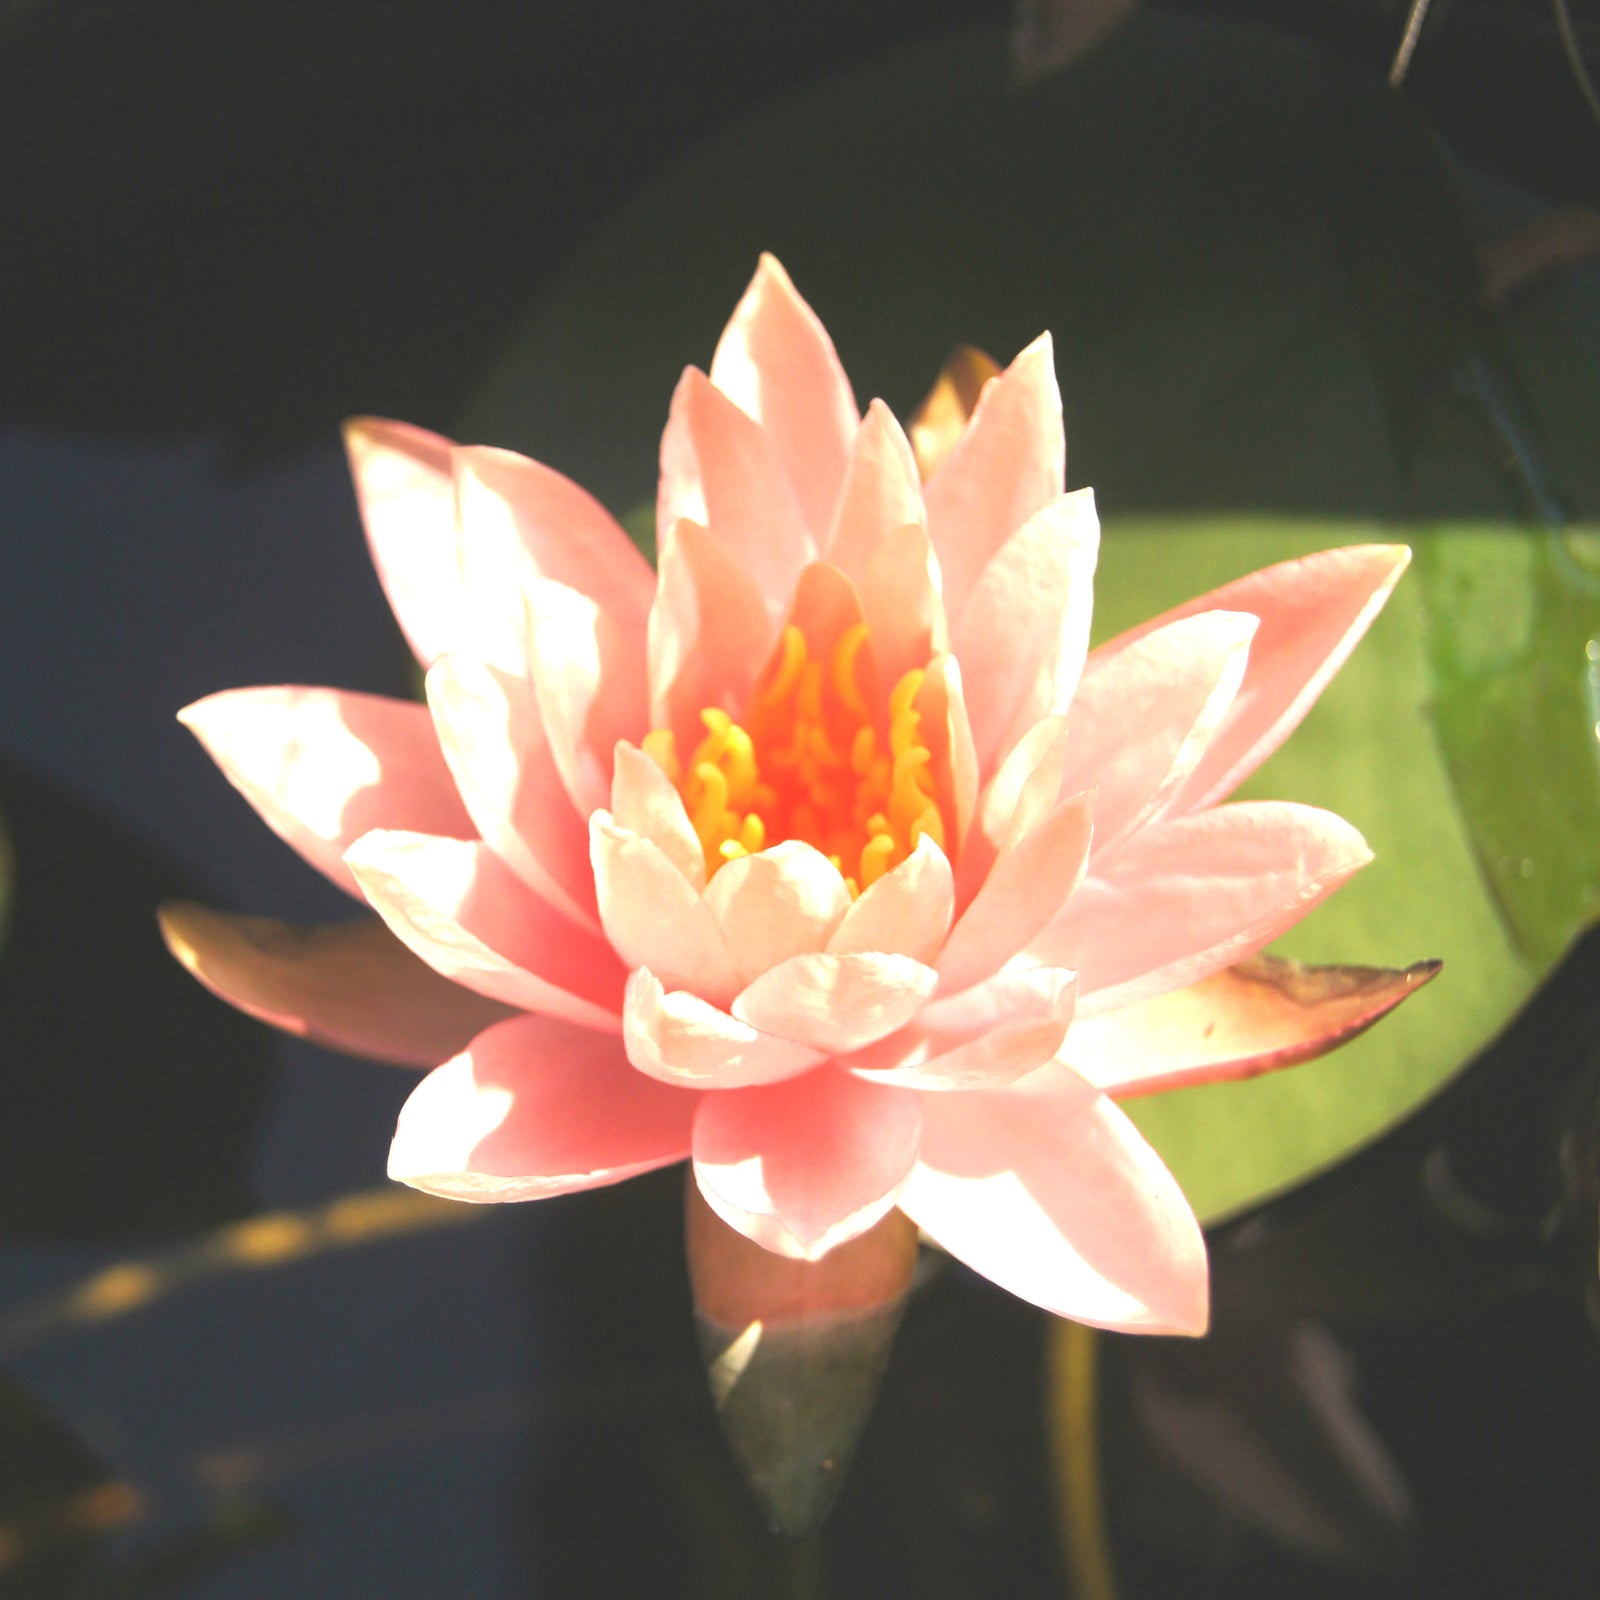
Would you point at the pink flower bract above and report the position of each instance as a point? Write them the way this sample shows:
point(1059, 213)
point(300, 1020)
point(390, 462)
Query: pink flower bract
point(810, 856)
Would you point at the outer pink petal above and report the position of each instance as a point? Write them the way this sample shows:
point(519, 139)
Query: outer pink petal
point(589, 674)
point(1263, 1014)
point(349, 985)
point(536, 1107)
point(468, 916)
point(1186, 897)
point(644, 801)
point(507, 503)
point(776, 362)
point(881, 493)
point(775, 904)
point(719, 468)
point(1009, 464)
point(836, 1003)
point(681, 1039)
point(906, 912)
point(654, 917)
point(709, 632)
point(324, 766)
point(984, 1038)
point(494, 741)
point(1049, 1191)
point(802, 1166)
point(1144, 717)
point(1027, 886)
point(1313, 612)
point(402, 478)
point(1023, 633)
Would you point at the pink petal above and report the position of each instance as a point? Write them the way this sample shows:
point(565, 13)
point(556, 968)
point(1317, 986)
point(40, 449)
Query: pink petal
point(349, 985)
point(1009, 464)
point(644, 801)
point(1144, 717)
point(654, 918)
point(323, 766)
point(776, 362)
point(778, 903)
point(1313, 611)
point(836, 1003)
point(1049, 1191)
point(984, 1038)
point(680, 1039)
point(906, 912)
point(719, 468)
point(1185, 897)
point(471, 918)
point(804, 1165)
point(901, 603)
point(1027, 886)
point(402, 479)
point(493, 738)
point(709, 632)
point(941, 704)
point(536, 1107)
point(589, 675)
point(881, 492)
point(1022, 793)
point(1255, 1017)
point(1022, 634)
point(512, 510)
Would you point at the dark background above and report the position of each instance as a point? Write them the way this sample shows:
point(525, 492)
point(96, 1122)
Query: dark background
point(223, 228)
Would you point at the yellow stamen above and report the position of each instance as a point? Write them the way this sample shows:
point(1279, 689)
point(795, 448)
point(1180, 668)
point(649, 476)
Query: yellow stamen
point(813, 763)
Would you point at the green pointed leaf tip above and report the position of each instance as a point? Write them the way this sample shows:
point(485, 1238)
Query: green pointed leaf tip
point(1378, 749)
point(1514, 655)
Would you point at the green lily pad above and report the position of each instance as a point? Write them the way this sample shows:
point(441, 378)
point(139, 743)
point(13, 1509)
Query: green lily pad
point(1514, 656)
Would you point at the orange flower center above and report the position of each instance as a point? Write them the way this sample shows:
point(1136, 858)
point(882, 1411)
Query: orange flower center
point(813, 762)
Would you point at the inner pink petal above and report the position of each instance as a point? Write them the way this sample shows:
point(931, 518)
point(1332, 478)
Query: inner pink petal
point(1027, 886)
point(881, 492)
point(720, 469)
point(709, 632)
point(1022, 634)
point(836, 1003)
point(1010, 463)
point(776, 362)
point(682, 1039)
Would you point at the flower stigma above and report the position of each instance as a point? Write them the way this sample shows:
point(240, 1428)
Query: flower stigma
point(814, 764)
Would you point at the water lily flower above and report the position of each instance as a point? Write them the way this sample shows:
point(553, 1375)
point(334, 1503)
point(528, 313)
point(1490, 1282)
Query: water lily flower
point(824, 856)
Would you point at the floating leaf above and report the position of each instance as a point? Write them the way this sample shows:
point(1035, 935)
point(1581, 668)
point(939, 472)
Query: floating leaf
point(1514, 654)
